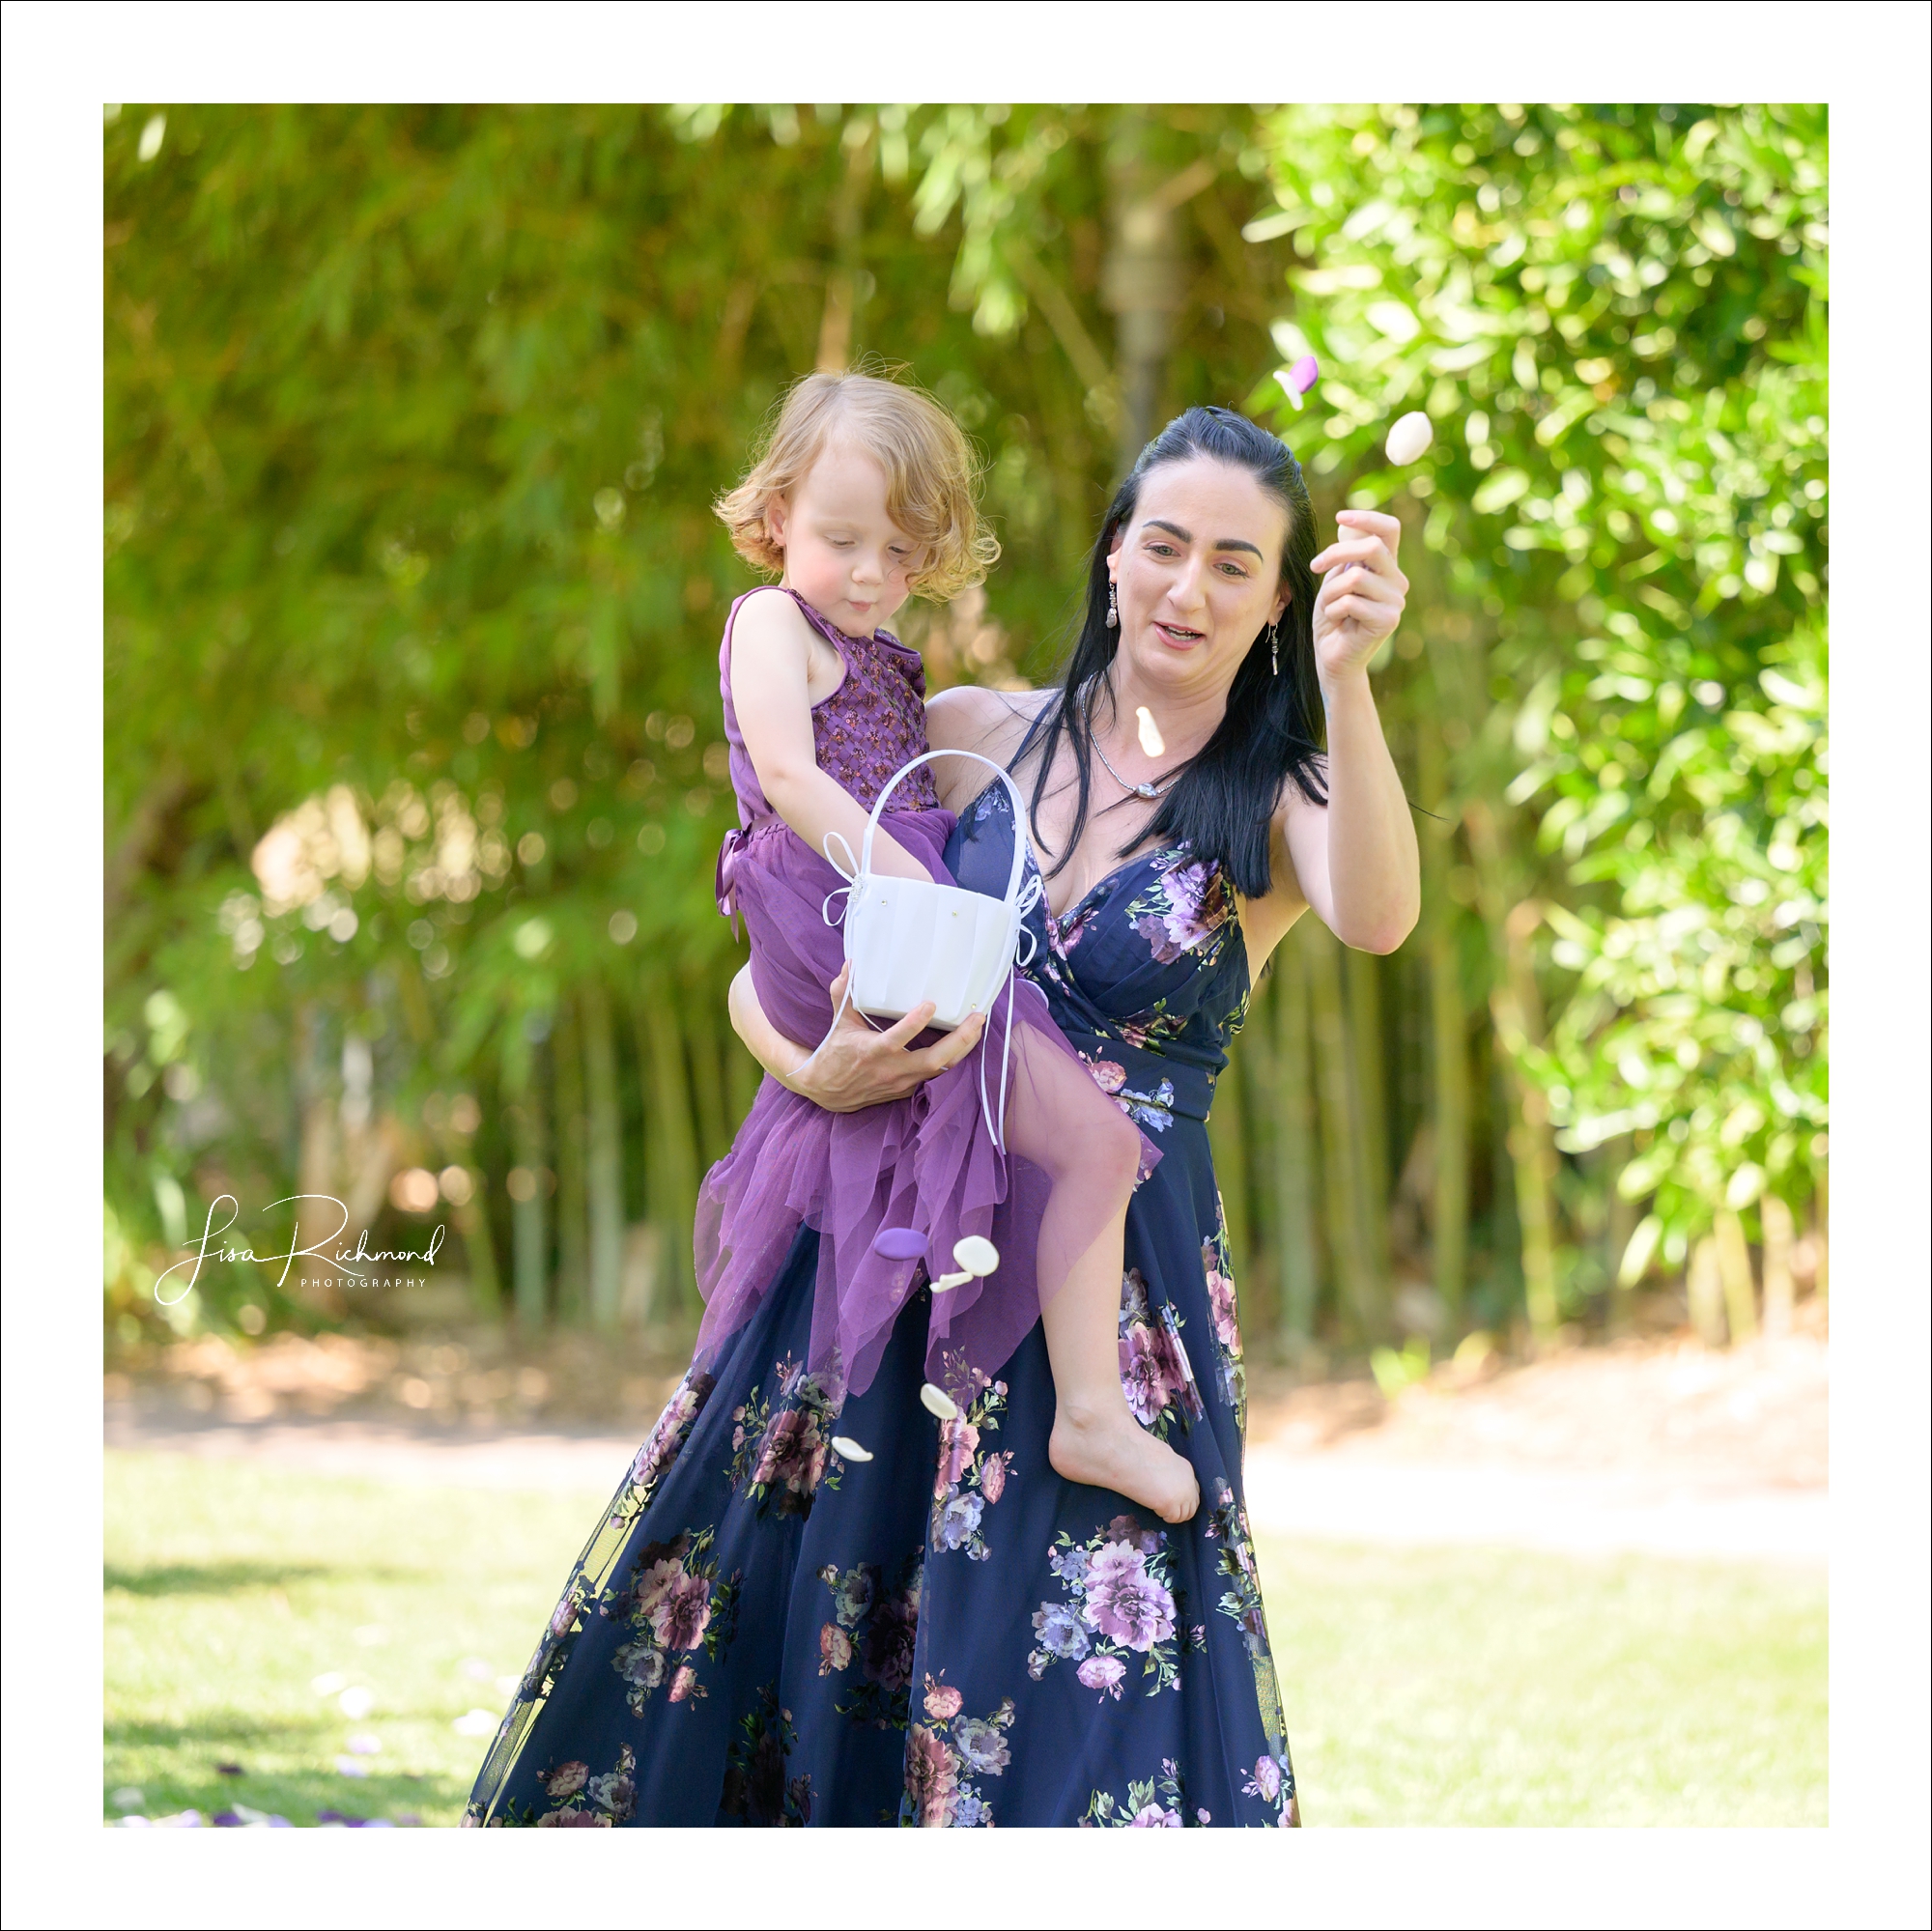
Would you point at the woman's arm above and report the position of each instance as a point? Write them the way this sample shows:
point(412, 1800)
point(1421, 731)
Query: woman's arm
point(771, 647)
point(856, 1067)
point(1353, 861)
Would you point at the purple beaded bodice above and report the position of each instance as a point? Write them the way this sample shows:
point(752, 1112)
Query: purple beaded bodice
point(865, 731)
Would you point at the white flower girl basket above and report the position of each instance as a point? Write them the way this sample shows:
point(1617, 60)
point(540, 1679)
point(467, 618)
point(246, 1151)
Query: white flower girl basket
point(909, 939)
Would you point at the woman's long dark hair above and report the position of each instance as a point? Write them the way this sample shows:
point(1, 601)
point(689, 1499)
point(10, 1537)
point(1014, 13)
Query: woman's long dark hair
point(1221, 806)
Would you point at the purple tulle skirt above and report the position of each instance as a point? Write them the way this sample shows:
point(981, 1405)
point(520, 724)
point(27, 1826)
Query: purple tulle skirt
point(927, 1162)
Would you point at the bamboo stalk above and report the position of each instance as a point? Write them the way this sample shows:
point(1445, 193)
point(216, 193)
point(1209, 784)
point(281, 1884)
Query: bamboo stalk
point(1704, 1291)
point(529, 1214)
point(1261, 1287)
point(1340, 1141)
point(1528, 1143)
point(841, 286)
point(319, 1145)
point(1779, 1297)
point(1823, 1231)
point(1449, 1042)
point(707, 1072)
point(604, 1165)
point(479, 1247)
point(1621, 1219)
point(1734, 1269)
point(1228, 1142)
point(742, 1077)
point(670, 1166)
point(1517, 1009)
point(1295, 1152)
point(315, 1164)
point(573, 1243)
point(1363, 971)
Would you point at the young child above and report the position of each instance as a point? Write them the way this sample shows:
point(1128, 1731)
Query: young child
point(864, 497)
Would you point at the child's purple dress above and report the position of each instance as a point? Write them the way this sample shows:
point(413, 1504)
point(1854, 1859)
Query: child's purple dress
point(929, 1161)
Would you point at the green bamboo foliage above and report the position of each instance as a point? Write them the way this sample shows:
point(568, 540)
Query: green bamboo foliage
point(1369, 1065)
point(573, 1224)
point(1345, 1203)
point(529, 1202)
point(1448, 1038)
point(704, 1054)
point(1507, 1111)
point(1294, 1166)
point(605, 1163)
point(479, 1250)
point(671, 1133)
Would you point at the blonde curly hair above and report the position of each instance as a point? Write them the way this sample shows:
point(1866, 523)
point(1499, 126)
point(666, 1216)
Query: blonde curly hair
point(931, 475)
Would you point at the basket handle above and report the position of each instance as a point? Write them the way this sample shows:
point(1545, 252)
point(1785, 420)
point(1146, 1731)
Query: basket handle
point(999, 771)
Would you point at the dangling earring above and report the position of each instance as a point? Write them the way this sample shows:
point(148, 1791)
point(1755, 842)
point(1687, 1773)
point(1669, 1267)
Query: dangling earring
point(1113, 608)
point(1274, 648)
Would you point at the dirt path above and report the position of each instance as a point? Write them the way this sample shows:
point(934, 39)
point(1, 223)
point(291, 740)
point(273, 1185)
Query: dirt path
point(1655, 1447)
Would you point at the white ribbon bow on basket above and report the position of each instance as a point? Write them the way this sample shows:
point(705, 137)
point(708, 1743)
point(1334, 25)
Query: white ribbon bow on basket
point(910, 939)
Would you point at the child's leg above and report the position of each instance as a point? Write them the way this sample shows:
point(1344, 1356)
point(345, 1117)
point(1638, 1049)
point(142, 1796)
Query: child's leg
point(1092, 1157)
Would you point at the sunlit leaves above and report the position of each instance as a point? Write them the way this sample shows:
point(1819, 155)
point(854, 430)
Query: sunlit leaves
point(1619, 327)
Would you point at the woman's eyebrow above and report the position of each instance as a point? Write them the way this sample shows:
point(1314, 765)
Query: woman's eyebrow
point(1188, 536)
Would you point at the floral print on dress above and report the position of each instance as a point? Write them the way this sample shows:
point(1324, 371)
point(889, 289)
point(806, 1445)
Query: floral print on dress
point(1093, 1628)
point(1122, 1601)
point(1153, 1108)
point(757, 1788)
point(1242, 1600)
point(875, 1629)
point(1273, 1780)
point(661, 1446)
point(579, 1801)
point(781, 1450)
point(1155, 1374)
point(1231, 1374)
point(945, 1757)
point(1187, 906)
point(674, 1605)
point(1156, 1804)
point(970, 1477)
point(553, 1646)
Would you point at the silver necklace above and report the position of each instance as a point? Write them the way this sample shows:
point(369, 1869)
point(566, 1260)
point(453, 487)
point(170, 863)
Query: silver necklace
point(1150, 790)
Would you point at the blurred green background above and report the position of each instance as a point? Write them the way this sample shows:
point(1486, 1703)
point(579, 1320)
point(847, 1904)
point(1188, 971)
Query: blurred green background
point(414, 777)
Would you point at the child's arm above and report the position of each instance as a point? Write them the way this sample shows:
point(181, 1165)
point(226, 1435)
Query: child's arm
point(771, 658)
point(856, 1067)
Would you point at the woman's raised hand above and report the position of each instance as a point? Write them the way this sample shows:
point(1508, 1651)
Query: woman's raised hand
point(1361, 598)
point(857, 1067)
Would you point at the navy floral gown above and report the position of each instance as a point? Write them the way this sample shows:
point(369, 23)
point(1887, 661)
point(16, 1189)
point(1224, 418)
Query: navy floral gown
point(765, 1630)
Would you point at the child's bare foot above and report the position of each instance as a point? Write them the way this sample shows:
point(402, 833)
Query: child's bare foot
point(1113, 1451)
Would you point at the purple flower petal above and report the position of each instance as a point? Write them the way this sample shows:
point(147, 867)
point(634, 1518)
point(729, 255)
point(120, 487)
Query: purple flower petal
point(899, 1243)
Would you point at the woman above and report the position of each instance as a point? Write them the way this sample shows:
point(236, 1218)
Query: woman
point(793, 1616)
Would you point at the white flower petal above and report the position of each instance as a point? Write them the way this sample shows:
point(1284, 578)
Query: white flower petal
point(975, 1254)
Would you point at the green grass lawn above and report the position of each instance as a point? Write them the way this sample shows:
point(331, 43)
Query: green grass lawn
point(1437, 1687)
point(1494, 1687)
